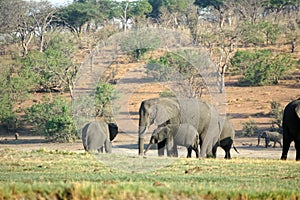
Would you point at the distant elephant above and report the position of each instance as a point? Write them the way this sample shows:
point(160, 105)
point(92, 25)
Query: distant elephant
point(273, 136)
point(162, 111)
point(291, 128)
point(181, 135)
point(226, 139)
point(98, 135)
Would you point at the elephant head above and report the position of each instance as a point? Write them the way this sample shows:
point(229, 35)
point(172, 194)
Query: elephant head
point(160, 134)
point(158, 111)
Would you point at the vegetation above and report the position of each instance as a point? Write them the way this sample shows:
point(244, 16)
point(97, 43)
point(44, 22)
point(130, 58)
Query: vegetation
point(276, 113)
point(249, 128)
point(52, 119)
point(104, 96)
point(262, 67)
point(68, 175)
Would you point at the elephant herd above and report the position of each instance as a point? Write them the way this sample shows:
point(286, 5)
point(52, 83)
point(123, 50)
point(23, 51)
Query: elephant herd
point(194, 124)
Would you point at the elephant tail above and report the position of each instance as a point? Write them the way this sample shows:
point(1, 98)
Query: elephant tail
point(235, 149)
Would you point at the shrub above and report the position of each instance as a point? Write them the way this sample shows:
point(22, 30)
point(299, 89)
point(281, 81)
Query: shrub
point(262, 67)
point(249, 128)
point(104, 96)
point(52, 119)
point(276, 112)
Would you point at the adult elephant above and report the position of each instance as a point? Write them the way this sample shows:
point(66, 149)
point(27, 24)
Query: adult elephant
point(98, 135)
point(163, 111)
point(291, 128)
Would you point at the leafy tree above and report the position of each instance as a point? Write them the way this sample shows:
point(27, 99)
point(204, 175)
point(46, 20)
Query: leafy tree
point(79, 13)
point(16, 82)
point(54, 68)
point(262, 67)
point(52, 119)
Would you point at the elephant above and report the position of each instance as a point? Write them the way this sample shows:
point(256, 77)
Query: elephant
point(291, 128)
point(226, 139)
point(181, 135)
point(97, 135)
point(273, 136)
point(162, 111)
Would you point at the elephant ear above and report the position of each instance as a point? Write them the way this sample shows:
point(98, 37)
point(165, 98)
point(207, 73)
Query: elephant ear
point(113, 131)
point(165, 110)
point(297, 110)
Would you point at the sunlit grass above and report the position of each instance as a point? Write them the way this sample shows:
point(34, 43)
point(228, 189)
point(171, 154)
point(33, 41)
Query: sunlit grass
point(69, 175)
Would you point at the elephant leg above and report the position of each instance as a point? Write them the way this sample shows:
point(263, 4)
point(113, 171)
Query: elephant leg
point(175, 150)
point(274, 144)
point(108, 146)
point(285, 148)
point(161, 148)
point(170, 149)
point(189, 149)
point(297, 147)
point(100, 150)
point(267, 142)
point(214, 151)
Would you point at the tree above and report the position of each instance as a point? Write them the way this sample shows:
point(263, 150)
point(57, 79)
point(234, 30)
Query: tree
point(55, 68)
point(262, 67)
point(15, 19)
point(78, 14)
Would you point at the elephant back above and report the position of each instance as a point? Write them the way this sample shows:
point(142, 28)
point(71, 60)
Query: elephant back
point(290, 115)
point(94, 135)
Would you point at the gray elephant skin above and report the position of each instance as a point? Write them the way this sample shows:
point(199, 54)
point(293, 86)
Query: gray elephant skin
point(291, 128)
point(226, 139)
point(270, 136)
point(98, 135)
point(163, 111)
point(176, 135)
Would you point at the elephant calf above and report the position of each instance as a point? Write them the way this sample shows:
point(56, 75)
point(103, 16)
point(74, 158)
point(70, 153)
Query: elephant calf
point(270, 136)
point(226, 140)
point(98, 135)
point(173, 135)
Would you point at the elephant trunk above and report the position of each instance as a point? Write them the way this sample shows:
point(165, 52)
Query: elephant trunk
point(141, 146)
point(142, 131)
point(147, 148)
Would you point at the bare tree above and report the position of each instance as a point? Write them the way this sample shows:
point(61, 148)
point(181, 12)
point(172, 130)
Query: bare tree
point(43, 15)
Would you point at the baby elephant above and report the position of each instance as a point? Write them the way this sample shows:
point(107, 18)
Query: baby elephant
point(226, 140)
point(98, 135)
point(174, 134)
point(270, 136)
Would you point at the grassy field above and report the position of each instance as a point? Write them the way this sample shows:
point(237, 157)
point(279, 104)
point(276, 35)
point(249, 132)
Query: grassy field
point(44, 174)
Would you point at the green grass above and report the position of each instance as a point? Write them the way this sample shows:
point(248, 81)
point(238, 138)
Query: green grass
point(67, 175)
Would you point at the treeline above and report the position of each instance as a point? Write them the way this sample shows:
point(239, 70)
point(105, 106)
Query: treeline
point(42, 45)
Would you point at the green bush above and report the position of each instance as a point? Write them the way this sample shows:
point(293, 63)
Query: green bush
point(249, 128)
point(276, 113)
point(262, 67)
point(104, 96)
point(52, 119)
